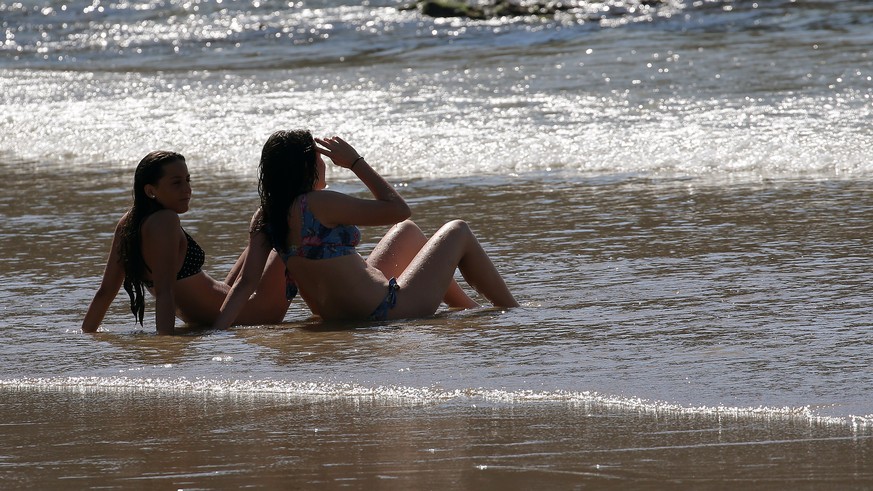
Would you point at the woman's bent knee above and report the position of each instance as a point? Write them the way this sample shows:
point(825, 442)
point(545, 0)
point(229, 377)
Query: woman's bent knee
point(457, 227)
point(405, 227)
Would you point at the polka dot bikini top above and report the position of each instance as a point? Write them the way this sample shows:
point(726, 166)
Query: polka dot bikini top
point(194, 259)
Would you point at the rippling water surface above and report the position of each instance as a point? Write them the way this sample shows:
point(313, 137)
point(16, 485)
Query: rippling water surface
point(677, 192)
point(707, 88)
point(681, 292)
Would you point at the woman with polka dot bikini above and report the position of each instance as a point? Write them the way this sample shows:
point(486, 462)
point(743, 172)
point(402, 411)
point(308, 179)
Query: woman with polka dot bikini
point(150, 250)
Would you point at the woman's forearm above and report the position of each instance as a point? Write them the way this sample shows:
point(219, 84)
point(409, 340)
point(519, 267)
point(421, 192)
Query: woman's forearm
point(235, 301)
point(250, 275)
point(97, 309)
point(165, 311)
point(381, 189)
point(113, 277)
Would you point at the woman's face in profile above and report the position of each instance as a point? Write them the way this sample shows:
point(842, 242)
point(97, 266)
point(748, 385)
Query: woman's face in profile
point(173, 189)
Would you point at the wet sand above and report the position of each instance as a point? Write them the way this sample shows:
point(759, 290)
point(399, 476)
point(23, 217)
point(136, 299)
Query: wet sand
point(144, 439)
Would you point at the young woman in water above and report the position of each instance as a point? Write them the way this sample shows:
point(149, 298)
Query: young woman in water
point(151, 251)
point(315, 231)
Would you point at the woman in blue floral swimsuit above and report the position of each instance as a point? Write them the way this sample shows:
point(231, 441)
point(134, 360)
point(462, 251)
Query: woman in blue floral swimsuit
point(315, 231)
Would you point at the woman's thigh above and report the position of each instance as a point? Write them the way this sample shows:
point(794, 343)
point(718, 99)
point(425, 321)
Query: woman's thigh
point(426, 279)
point(397, 248)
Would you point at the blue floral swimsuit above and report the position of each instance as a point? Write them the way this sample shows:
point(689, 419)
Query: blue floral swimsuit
point(318, 241)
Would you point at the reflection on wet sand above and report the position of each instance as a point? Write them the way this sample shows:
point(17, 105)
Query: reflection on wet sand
point(102, 437)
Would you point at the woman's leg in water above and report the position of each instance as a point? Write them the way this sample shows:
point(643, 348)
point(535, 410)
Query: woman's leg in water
point(268, 305)
point(432, 270)
point(399, 247)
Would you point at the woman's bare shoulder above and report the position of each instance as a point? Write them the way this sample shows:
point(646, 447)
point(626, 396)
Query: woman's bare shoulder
point(162, 221)
point(323, 195)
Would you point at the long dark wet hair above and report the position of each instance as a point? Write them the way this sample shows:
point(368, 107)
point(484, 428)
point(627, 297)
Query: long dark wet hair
point(286, 171)
point(149, 171)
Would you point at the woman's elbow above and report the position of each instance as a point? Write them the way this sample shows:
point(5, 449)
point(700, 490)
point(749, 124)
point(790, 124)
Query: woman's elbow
point(403, 212)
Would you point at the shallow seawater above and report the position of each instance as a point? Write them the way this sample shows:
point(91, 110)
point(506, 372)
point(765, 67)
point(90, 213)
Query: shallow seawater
point(677, 192)
point(669, 291)
point(672, 332)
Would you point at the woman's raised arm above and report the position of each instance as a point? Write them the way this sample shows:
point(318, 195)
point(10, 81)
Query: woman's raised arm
point(387, 208)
